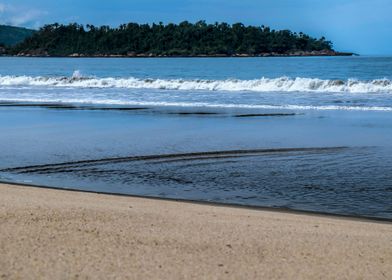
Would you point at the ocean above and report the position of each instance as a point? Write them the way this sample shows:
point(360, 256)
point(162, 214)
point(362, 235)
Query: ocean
point(304, 133)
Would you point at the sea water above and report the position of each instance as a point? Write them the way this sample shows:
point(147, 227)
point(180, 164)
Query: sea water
point(308, 133)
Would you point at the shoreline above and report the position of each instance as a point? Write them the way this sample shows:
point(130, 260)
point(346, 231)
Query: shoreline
point(214, 204)
point(76, 55)
point(47, 233)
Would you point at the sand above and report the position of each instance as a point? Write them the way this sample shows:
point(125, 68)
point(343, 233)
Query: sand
point(54, 234)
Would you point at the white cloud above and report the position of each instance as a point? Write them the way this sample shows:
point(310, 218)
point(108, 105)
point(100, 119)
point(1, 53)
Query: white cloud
point(20, 15)
point(28, 17)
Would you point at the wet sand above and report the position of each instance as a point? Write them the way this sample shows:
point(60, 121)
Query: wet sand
point(54, 234)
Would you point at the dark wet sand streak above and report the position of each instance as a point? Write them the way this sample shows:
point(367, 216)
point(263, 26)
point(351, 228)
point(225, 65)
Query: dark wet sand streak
point(181, 156)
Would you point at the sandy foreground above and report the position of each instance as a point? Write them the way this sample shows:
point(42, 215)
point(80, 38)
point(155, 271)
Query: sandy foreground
point(53, 234)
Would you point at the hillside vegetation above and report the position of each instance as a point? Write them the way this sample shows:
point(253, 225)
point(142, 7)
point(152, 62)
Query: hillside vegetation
point(10, 35)
point(184, 39)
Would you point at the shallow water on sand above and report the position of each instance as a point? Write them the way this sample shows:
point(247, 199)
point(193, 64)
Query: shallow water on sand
point(330, 162)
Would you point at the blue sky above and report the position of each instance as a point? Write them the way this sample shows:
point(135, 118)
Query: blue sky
point(360, 26)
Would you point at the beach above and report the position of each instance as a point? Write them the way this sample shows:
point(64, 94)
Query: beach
point(57, 234)
point(187, 168)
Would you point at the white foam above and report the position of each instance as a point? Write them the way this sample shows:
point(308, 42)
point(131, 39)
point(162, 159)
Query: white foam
point(199, 104)
point(282, 84)
point(77, 74)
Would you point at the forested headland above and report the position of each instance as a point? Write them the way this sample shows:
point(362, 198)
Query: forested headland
point(183, 39)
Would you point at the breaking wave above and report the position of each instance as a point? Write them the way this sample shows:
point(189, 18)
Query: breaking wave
point(282, 84)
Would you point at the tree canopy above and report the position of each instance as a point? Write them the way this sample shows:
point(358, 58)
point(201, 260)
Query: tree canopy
point(183, 39)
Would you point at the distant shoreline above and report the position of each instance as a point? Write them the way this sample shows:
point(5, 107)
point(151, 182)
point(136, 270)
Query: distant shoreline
point(147, 55)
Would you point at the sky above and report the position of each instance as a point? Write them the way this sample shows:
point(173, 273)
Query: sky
point(360, 26)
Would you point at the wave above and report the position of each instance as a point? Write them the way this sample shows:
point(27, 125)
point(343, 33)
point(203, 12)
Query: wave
point(282, 84)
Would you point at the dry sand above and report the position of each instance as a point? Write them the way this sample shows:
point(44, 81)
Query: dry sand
point(52, 234)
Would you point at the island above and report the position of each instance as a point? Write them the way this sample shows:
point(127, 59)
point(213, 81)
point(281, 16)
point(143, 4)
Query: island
point(185, 39)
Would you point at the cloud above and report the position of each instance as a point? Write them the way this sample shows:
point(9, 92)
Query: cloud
point(28, 17)
point(20, 15)
point(2, 8)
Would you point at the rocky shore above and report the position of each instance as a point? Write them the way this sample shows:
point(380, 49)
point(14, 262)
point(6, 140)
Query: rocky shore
point(43, 53)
